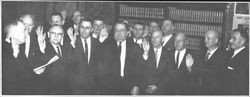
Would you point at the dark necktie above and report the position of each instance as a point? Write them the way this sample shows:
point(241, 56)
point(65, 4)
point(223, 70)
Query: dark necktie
point(58, 51)
point(86, 49)
point(207, 55)
point(177, 58)
point(119, 48)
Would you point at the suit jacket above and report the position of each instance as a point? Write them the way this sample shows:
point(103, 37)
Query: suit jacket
point(17, 75)
point(109, 69)
point(212, 70)
point(54, 78)
point(34, 51)
point(170, 44)
point(150, 75)
point(84, 75)
point(184, 82)
point(237, 78)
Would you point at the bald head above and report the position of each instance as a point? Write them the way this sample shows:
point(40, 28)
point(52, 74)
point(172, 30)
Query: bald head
point(211, 39)
point(180, 41)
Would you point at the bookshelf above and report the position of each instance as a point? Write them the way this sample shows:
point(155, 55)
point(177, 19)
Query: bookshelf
point(191, 19)
point(194, 23)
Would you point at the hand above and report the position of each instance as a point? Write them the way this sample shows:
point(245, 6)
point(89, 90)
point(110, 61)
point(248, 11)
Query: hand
point(189, 61)
point(135, 90)
point(145, 45)
point(39, 70)
point(71, 35)
point(40, 35)
point(151, 89)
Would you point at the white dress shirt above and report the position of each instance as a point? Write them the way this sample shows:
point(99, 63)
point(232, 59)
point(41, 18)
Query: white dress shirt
point(181, 56)
point(122, 57)
point(89, 46)
point(237, 51)
point(27, 46)
point(166, 38)
point(211, 52)
point(158, 55)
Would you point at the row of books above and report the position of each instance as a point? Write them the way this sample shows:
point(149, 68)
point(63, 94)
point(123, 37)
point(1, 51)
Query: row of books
point(196, 15)
point(195, 29)
point(141, 12)
point(194, 43)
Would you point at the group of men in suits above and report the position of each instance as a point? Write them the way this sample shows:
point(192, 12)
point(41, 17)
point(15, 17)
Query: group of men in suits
point(83, 57)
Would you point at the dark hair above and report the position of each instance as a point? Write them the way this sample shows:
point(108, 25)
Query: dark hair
point(87, 20)
point(56, 14)
point(168, 19)
point(121, 22)
point(243, 34)
point(139, 23)
point(98, 18)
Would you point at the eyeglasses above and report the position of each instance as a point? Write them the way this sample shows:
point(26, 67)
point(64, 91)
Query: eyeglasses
point(56, 34)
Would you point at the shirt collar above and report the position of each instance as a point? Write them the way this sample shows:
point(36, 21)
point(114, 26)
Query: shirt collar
point(238, 50)
point(181, 51)
point(166, 38)
point(212, 51)
point(88, 39)
point(122, 43)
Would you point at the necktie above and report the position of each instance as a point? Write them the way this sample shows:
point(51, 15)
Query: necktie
point(156, 57)
point(86, 49)
point(58, 51)
point(119, 48)
point(177, 58)
point(207, 56)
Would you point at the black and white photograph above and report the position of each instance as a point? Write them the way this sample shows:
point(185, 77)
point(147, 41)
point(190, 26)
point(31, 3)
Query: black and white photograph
point(100, 48)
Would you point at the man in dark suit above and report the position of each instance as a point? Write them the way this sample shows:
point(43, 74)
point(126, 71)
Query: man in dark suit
point(213, 64)
point(54, 76)
point(31, 44)
point(186, 78)
point(168, 39)
point(75, 20)
point(137, 33)
point(237, 75)
point(155, 68)
point(83, 70)
point(18, 77)
point(117, 63)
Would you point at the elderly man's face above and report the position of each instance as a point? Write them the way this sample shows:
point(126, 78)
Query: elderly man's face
point(179, 42)
point(120, 32)
point(211, 39)
point(76, 17)
point(236, 41)
point(85, 29)
point(55, 34)
point(167, 27)
point(28, 23)
point(56, 20)
point(98, 26)
point(156, 39)
point(138, 31)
